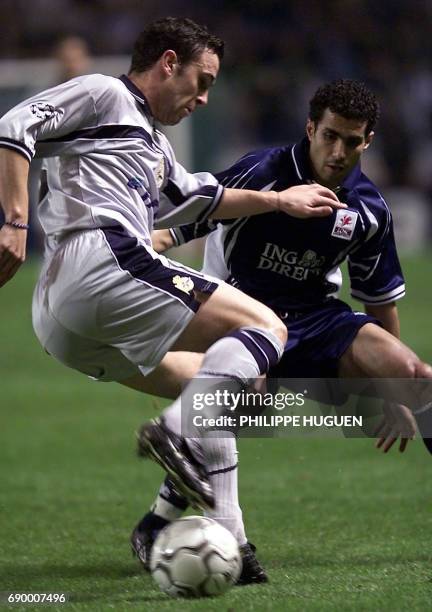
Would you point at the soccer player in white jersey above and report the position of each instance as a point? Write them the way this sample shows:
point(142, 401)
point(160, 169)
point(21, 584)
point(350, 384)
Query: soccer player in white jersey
point(106, 303)
point(292, 266)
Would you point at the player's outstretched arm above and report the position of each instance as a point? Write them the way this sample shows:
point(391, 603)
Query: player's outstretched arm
point(301, 201)
point(14, 170)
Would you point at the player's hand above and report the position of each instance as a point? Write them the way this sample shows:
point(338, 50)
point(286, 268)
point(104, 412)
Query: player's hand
point(12, 251)
point(397, 422)
point(162, 240)
point(304, 201)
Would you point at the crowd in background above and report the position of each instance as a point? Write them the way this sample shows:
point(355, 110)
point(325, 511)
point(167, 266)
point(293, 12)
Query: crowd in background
point(278, 52)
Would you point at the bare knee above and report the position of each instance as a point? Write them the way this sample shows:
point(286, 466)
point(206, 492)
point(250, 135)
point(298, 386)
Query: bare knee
point(264, 318)
point(411, 366)
point(278, 328)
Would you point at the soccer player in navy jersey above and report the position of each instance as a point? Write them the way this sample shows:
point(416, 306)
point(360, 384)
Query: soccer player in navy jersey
point(292, 266)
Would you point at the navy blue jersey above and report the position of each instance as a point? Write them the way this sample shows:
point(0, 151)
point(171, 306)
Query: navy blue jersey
point(290, 263)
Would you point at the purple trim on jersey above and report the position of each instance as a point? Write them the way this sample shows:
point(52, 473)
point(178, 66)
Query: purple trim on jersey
point(15, 145)
point(208, 211)
point(105, 132)
point(260, 347)
point(137, 93)
point(134, 258)
point(177, 197)
point(173, 193)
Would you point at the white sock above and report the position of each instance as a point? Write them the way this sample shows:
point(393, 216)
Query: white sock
point(221, 455)
point(231, 363)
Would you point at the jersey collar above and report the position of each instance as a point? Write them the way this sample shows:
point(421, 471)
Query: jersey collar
point(137, 93)
point(303, 167)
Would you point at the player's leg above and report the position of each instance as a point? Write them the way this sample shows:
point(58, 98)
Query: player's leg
point(169, 505)
point(169, 377)
point(375, 353)
point(253, 341)
point(120, 310)
point(222, 469)
point(221, 465)
point(225, 310)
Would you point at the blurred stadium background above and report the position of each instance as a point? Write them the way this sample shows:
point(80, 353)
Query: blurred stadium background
point(353, 526)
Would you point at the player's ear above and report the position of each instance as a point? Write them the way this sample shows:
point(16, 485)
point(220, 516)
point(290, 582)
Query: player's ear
point(310, 128)
point(369, 139)
point(169, 61)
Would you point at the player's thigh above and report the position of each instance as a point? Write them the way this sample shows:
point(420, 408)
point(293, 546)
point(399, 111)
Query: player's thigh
point(223, 311)
point(376, 353)
point(169, 377)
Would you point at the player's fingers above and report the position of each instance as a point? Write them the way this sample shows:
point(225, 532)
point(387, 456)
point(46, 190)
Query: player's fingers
point(8, 271)
point(330, 198)
point(7, 258)
point(403, 444)
point(388, 444)
point(383, 435)
point(326, 192)
point(379, 428)
point(319, 211)
point(324, 200)
point(379, 442)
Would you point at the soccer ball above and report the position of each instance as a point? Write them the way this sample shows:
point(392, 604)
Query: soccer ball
point(195, 557)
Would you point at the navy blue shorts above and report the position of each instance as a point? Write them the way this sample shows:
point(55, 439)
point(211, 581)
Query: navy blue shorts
point(317, 338)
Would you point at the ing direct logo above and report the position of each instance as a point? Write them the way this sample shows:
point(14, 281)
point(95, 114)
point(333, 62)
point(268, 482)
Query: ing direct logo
point(292, 264)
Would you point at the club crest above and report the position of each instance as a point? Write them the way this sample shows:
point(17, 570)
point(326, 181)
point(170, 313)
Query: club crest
point(344, 224)
point(183, 283)
point(42, 110)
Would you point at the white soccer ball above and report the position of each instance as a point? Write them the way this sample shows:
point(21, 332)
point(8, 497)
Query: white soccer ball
point(195, 557)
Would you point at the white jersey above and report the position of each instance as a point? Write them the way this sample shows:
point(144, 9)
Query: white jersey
point(111, 165)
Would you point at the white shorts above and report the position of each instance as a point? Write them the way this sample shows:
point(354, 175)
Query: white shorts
point(110, 307)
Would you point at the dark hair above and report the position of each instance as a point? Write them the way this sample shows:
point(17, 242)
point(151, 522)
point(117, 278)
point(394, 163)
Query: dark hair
point(348, 98)
point(182, 35)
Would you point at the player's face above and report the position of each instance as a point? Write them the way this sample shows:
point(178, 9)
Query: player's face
point(336, 145)
point(187, 87)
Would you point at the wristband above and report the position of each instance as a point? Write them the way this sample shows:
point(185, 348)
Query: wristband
point(16, 225)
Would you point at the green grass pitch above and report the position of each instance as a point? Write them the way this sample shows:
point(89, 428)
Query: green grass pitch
point(338, 525)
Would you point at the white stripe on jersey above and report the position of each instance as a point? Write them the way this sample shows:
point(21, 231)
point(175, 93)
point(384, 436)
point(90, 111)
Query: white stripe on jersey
point(295, 163)
point(243, 175)
point(369, 269)
point(238, 224)
point(372, 220)
point(385, 298)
